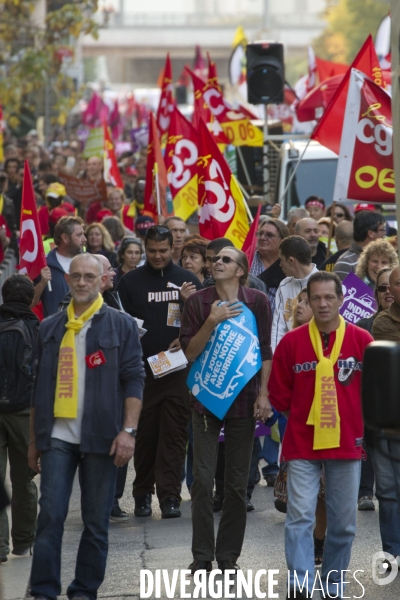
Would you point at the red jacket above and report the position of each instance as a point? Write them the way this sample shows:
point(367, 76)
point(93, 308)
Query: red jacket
point(291, 388)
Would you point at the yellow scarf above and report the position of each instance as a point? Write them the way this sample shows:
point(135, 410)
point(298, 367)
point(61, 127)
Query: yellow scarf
point(66, 399)
point(324, 413)
point(1, 204)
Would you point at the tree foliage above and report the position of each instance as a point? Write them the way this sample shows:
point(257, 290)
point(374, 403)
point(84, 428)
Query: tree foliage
point(349, 24)
point(32, 55)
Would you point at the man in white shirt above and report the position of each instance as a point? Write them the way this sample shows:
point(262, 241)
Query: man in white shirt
point(295, 257)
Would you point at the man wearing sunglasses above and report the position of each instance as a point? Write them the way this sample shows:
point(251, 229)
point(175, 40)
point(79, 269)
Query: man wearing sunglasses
point(201, 314)
point(152, 293)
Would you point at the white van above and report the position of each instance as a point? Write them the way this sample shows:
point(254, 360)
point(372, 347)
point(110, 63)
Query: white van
point(314, 177)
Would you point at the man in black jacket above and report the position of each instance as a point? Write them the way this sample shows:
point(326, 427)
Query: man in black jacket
point(152, 293)
point(16, 367)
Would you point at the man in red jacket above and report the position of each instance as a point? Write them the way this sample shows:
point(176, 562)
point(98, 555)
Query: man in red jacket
point(315, 381)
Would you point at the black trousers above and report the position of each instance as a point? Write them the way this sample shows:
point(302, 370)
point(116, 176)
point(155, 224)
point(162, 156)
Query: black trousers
point(162, 436)
point(238, 448)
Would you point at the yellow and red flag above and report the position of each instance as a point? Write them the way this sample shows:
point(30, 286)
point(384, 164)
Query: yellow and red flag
point(31, 249)
point(181, 163)
point(236, 125)
point(167, 102)
point(157, 195)
point(222, 210)
point(365, 170)
point(328, 131)
point(111, 170)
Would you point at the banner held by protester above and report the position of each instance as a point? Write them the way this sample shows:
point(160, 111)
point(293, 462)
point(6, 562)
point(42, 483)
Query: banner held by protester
point(230, 359)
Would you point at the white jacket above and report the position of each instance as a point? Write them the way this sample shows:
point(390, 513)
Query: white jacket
point(286, 295)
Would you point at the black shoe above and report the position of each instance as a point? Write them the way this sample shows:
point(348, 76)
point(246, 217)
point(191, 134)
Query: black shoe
point(298, 596)
point(281, 506)
point(228, 565)
point(200, 565)
point(22, 551)
point(3, 559)
point(143, 506)
point(218, 503)
point(170, 508)
point(249, 506)
point(270, 479)
point(318, 551)
point(118, 515)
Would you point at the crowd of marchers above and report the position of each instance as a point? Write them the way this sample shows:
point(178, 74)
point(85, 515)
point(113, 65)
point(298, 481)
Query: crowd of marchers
point(77, 391)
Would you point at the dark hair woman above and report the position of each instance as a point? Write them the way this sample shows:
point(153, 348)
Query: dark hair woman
point(130, 253)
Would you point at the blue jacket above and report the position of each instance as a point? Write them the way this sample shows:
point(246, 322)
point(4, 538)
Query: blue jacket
point(59, 286)
point(106, 386)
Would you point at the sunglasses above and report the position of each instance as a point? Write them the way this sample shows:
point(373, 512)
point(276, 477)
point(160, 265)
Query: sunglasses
point(382, 288)
point(225, 259)
point(340, 215)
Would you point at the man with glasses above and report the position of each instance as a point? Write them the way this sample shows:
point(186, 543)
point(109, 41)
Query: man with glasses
point(202, 313)
point(87, 399)
point(367, 227)
point(152, 293)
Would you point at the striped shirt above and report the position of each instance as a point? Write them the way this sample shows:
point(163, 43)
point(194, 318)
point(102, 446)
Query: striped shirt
point(348, 261)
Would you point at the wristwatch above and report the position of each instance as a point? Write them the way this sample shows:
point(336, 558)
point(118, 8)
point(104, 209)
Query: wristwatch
point(131, 431)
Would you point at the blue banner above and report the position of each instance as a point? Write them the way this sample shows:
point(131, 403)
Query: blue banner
point(228, 362)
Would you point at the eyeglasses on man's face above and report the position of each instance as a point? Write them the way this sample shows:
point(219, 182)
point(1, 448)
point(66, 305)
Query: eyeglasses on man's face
point(224, 259)
point(88, 277)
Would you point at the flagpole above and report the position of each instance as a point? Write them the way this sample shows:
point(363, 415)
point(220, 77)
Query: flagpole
point(294, 173)
point(246, 172)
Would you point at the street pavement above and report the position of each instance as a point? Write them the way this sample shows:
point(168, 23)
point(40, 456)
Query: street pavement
point(153, 543)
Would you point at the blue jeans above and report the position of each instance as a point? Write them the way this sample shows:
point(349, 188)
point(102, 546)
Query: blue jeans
point(97, 474)
point(342, 478)
point(269, 453)
point(387, 481)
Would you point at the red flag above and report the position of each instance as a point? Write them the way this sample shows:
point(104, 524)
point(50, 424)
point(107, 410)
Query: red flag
point(157, 195)
point(31, 249)
point(199, 67)
point(326, 69)
point(167, 101)
point(250, 243)
point(222, 211)
point(365, 166)
point(111, 170)
point(226, 124)
point(312, 106)
point(181, 164)
point(328, 132)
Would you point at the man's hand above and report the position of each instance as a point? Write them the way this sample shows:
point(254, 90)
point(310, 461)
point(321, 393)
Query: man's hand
point(34, 458)
point(45, 274)
point(262, 408)
point(276, 211)
point(174, 346)
point(187, 290)
point(223, 312)
point(123, 447)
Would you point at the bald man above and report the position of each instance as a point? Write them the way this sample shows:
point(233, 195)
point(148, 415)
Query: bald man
point(308, 229)
point(343, 239)
point(85, 412)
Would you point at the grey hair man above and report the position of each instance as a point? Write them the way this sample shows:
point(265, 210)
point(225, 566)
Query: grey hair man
point(86, 404)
